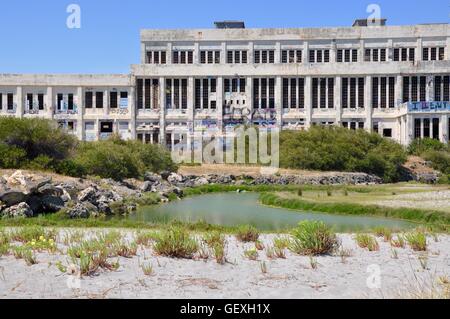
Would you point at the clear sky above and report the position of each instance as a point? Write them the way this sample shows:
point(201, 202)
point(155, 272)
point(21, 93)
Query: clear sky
point(34, 37)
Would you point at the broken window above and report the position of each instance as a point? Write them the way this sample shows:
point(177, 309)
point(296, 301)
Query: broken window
point(10, 101)
point(113, 100)
point(140, 93)
point(99, 100)
point(70, 105)
point(88, 98)
point(40, 101)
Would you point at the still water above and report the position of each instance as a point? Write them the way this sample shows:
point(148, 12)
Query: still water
point(231, 209)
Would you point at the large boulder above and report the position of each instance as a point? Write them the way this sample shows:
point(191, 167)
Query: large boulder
point(12, 197)
point(175, 178)
point(51, 204)
point(20, 210)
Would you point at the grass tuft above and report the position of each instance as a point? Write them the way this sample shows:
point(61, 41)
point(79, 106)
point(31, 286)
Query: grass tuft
point(176, 243)
point(247, 234)
point(367, 241)
point(313, 238)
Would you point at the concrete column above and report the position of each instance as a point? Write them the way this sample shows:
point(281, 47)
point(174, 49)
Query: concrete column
point(444, 128)
point(278, 100)
point(278, 53)
point(249, 94)
point(409, 129)
point(19, 101)
point(430, 88)
point(389, 51)
point(337, 99)
point(447, 49)
point(219, 103)
point(419, 51)
point(223, 53)
point(308, 100)
point(162, 111)
point(169, 53)
point(368, 103)
point(190, 102)
point(132, 110)
point(97, 129)
point(143, 53)
point(106, 102)
point(196, 53)
point(251, 49)
point(422, 131)
point(49, 101)
point(80, 113)
point(361, 51)
point(333, 52)
point(398, 90)
point(305, 52)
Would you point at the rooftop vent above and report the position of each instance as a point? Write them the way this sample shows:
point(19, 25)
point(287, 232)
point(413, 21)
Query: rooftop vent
point(229, 25)
point(369, 22)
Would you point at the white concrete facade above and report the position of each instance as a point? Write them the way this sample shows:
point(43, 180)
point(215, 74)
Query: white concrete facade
point(390, 79)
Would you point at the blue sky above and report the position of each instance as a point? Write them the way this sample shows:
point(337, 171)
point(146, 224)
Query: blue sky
point(35, 39)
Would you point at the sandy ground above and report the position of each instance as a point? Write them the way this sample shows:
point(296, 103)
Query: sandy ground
point(292, 277)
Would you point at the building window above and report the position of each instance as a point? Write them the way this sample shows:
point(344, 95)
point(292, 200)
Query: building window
point(319, 56)
point(383, 92)
point(264, 93)
point(414, 89)
point(436, 131)
point(323, 93)
point(210, 57)
point(293, 93)
point(203, 89)
point(441, 88)
point(375, 55)
point(291, 56)
point(88, 100)
point(236, 57)
point(99, 100)
point(156, 57)
point(264, 56)
point(433, 54)
point(387, 132)
point(176, 94)
point(347, 55)
point(182, 57)
point(113, 100)
point(417, 128)
point(404, 54)
point(352, 93)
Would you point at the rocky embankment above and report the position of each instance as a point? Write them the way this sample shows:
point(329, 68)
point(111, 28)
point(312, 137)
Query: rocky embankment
point(28, 194)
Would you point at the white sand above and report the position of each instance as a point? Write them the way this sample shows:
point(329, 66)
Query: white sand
point(292, 277)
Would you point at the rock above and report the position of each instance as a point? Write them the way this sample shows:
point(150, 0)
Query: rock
point(165, 175)
point(51, 204)
point(153, 178)
point(88, 195)
point(147, 186)
point(12, 197)
point(175, 178)
point(81, 210)
point(50, 190)
point(20, 210)
point(201, 181)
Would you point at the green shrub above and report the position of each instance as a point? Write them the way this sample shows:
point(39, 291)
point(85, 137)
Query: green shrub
point(417, 240)
point(313, 238)
point(36, 137)
point(421, 146)
point(367, 241)
point(11, 156)
point(247, 233)
point(340, 149)
point(440, 160)
point(177, 243)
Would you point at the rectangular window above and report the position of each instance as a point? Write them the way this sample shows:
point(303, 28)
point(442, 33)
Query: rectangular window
point(30, 101)
point(412, 54)
point(344, 93)
point(361, 93)
point(353, 93)
point(148, 94)
point(423, 88)
point(367, 55)
point(70, 101)
point(406, 86)
point(383, 93)
point(436, 131)
point(426, 128)
point(383, 55)
point(140, 93)
point(339, 57)
point(1, 101)
point(315, 93)
point(375, 93)
point(425, 56)
point(417, 128)
point(99, 100)
point(10, 101)
point(40, 101)
point(391, 92)
point(441, 54)
point(113, 100)
point(396, 54)
point(88, 96)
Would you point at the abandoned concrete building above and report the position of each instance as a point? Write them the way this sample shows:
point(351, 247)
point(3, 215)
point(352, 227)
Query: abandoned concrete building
point(394, 80)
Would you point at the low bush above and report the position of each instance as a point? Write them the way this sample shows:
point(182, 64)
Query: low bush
point(313, 238)
point(340, 149)
point(419, 147)
point(176, 242)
